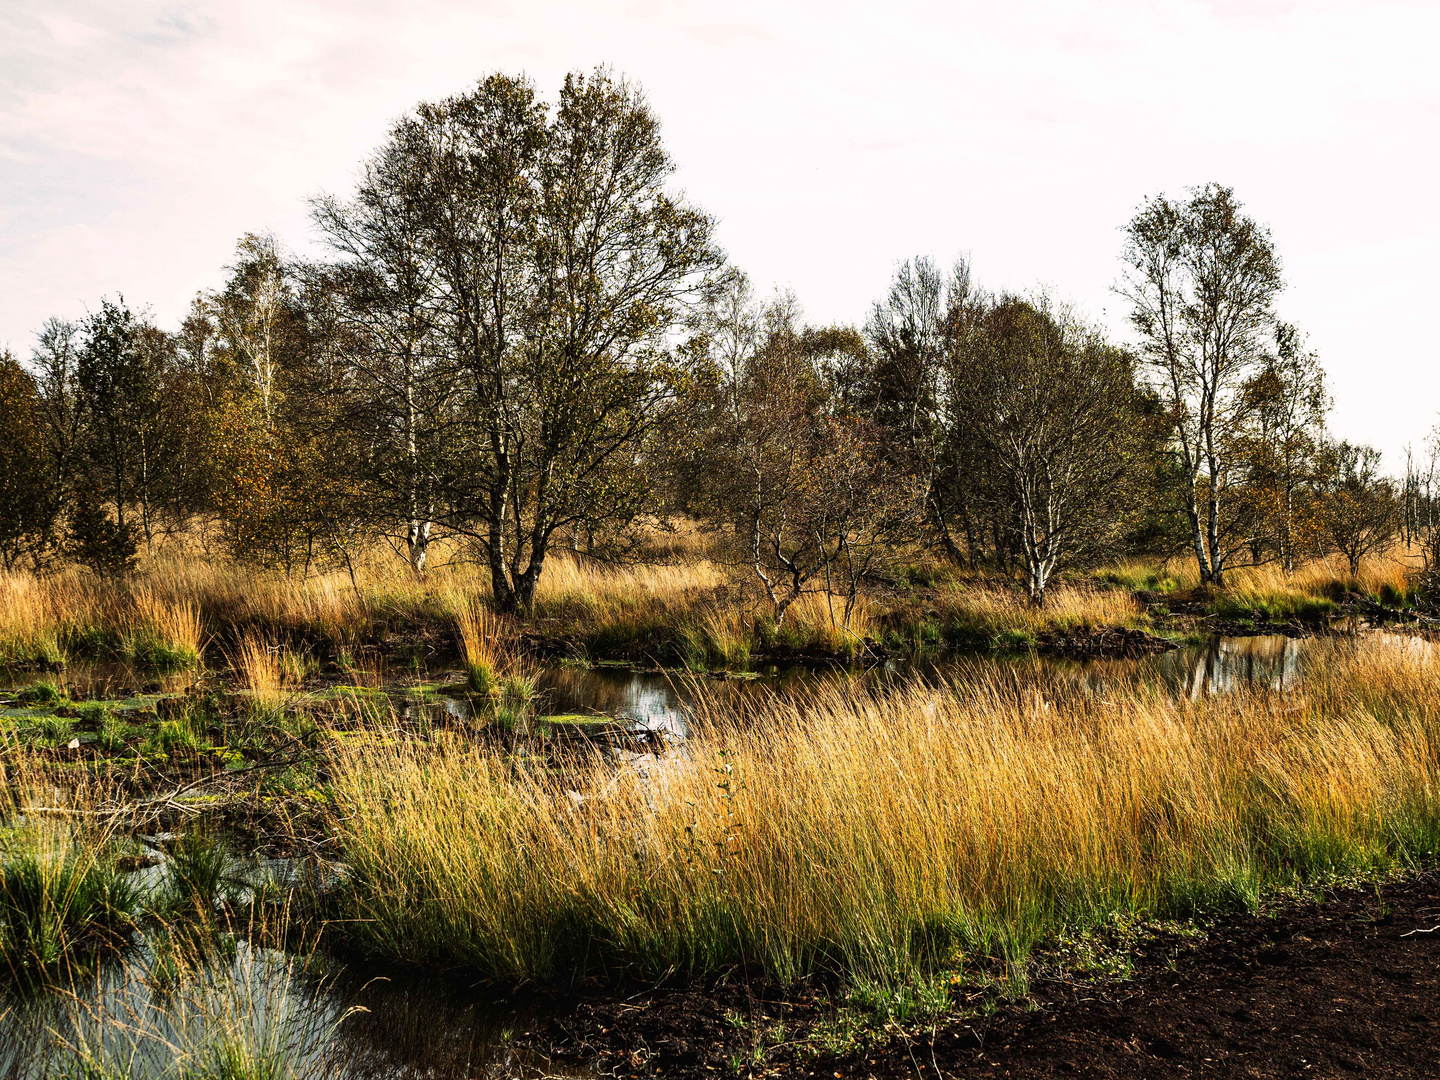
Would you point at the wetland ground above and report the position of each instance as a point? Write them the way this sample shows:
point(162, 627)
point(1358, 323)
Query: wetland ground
point(423, 863)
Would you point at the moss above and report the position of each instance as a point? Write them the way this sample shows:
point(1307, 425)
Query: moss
point(43, 693)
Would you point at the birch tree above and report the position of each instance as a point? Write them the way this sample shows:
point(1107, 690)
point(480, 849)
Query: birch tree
point(402, 387)
point(1201, 278)
point(1048, 406)
point(251, 313)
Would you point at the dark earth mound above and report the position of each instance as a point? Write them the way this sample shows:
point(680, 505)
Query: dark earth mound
point(1347, 986)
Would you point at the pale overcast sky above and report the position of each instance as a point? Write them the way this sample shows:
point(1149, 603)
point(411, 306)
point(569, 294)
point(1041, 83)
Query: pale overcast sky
point(140, 138)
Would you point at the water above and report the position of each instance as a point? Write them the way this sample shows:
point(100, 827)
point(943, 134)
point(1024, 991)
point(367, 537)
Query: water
point(142, 1015)
point(360, 1024)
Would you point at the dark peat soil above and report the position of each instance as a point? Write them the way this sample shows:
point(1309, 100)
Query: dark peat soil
point(1344, 987)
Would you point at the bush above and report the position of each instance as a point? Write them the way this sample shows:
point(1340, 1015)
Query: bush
point(97, 541)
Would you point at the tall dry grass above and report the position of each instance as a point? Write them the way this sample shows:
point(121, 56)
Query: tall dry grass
point(883, 834)
point(1314, 577)
point(1066, 608)
point(692, 610)
point(269, 671)
point(163, 613)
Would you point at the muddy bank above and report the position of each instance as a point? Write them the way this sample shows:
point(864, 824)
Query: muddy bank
point(1345, 986)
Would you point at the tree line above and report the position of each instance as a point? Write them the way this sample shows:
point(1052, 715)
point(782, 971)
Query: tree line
point(524, 337)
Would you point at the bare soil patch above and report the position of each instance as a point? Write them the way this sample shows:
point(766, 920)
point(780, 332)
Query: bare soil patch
point(1348, 985)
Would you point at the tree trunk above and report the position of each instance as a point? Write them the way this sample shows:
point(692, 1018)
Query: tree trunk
point(417, 544)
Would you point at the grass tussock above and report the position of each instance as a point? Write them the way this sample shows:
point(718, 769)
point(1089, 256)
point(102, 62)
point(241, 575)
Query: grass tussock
point(269, 671)
point(232, 1011)
point(503, 685)
point(62, 900)
point(483, 644)
point(884, 835)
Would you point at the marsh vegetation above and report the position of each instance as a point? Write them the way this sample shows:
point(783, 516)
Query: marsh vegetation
point(308, 608)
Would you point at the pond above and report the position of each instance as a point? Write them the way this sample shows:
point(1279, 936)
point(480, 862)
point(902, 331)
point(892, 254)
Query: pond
point(359, 1023)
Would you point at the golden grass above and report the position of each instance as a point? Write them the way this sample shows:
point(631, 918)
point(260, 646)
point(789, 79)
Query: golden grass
point(570, 585)
point(693, 610)
point(268, 670)
point(175, 596)
point(883, 834)
point(1066, 608)
point(1314, 577)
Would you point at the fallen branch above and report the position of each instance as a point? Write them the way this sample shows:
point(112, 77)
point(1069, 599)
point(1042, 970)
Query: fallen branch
point(156, 805)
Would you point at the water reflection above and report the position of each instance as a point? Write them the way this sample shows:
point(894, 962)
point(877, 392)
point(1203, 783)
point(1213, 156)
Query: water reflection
point(1224, 665)
point(644, 701)
point(102, 680)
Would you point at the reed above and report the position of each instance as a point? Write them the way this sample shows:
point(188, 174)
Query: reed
point(885, 835)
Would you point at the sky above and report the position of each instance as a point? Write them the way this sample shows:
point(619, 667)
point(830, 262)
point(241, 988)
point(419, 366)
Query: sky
point(140, 138)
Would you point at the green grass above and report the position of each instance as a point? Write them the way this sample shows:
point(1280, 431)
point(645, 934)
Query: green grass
point(1137, 577)
point(43, 694)
point(1272, 605)
point(60, 901)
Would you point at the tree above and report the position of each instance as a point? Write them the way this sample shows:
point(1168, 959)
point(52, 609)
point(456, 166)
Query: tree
point(1419, 497)
point(29, 488)
point(252, 314)
point(1359, 509)
point(1281, 430)
point(119, 392)
point(1051, 409)
point(106, 545)
point(55, 362)
point(559, 268)
point(1201, 278)
point(402, 392)
point(905, 384)
point(802, 486)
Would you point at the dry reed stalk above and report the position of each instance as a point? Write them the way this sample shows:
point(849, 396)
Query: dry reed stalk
point(876, 834)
